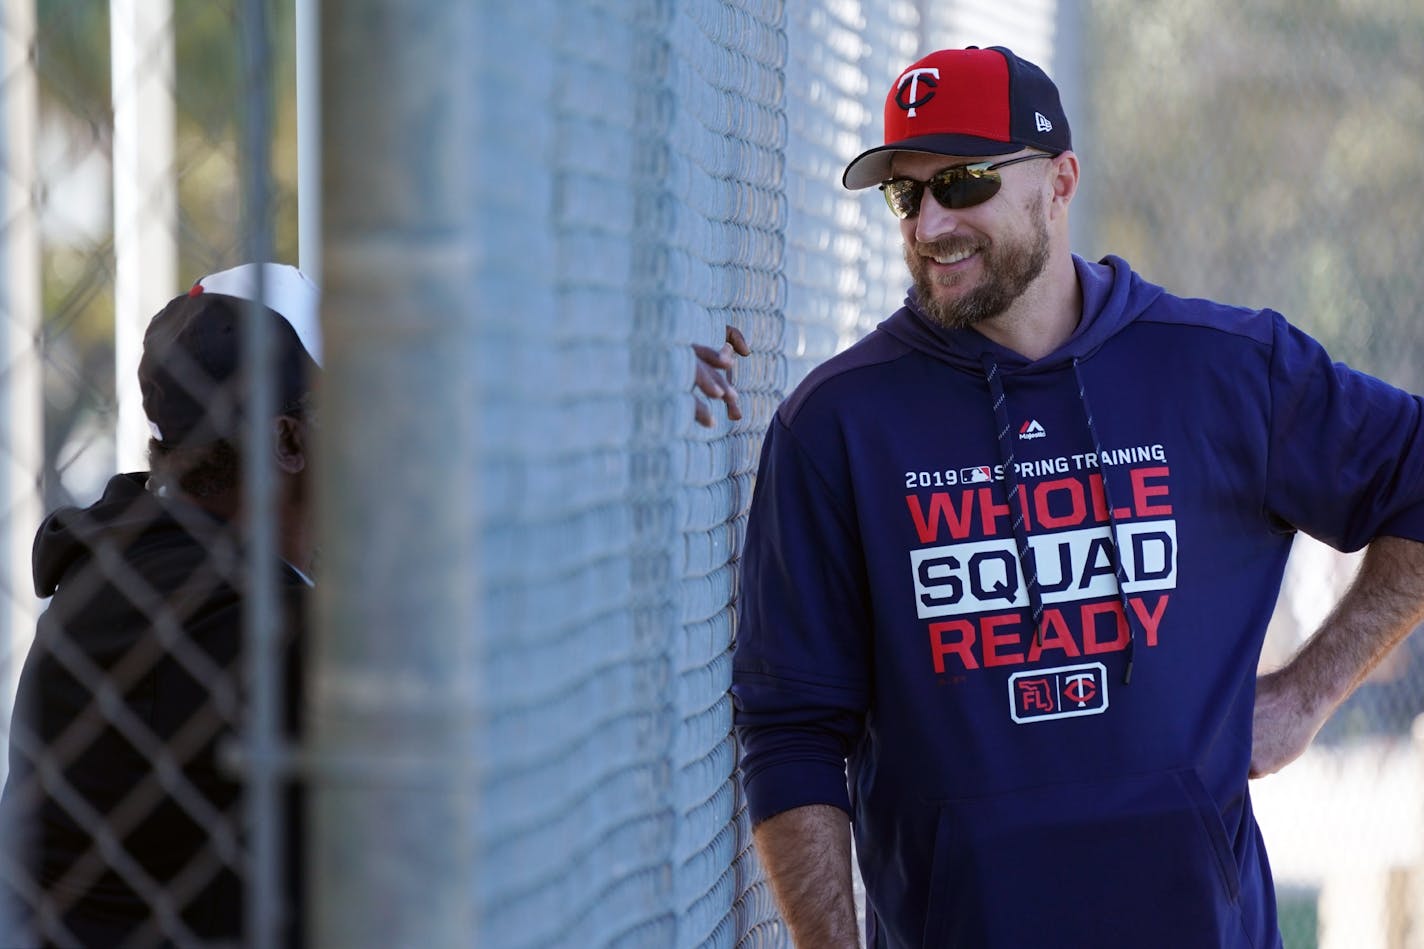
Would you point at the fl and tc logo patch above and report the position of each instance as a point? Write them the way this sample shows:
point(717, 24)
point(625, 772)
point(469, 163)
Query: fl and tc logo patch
point(1040, 695)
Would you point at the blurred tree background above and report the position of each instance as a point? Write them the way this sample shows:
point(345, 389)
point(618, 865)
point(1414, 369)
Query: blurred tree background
point(1268, 154)
point(75, 158)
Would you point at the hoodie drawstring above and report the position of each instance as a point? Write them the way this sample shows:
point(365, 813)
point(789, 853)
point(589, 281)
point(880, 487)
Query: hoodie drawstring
point(1015, 500)
point(1013, 497)
point(1118, 568)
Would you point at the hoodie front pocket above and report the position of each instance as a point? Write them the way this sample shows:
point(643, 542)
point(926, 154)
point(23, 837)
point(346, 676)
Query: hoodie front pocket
point(1136, 861)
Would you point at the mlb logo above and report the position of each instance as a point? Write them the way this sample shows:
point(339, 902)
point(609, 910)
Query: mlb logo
point(1042, 695)
point(978, 475)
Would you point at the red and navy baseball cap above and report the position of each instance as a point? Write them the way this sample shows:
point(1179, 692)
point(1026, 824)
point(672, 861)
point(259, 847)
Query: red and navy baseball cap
point(190, 372)
point(972, 102)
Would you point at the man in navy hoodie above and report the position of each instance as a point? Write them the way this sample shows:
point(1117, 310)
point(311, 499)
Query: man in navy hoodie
point(1012, 556)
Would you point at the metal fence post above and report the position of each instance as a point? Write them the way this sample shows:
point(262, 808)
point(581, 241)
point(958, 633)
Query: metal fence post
point(308, 68)
point(398, 638)
point(261, 617)
point(21, 447)
point(145, 198)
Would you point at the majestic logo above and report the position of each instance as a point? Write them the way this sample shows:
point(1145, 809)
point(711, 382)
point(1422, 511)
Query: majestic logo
point(1042, 695)
point(1040, 122)
point(1031, 429)
point(907, 95)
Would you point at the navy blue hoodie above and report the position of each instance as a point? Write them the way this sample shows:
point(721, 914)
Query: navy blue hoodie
point(1026, 601)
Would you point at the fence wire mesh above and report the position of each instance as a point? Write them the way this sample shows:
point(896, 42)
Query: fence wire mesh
point(655, 170)
point(610, 806)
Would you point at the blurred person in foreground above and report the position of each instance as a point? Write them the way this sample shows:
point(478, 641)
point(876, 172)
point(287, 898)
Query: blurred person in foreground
point(122, 822)
point(1012, 556)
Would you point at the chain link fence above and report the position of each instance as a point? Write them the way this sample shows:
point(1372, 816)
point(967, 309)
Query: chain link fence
point(643, 173)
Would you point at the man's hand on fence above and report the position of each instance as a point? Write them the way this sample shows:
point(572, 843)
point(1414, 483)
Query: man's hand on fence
point(714, 368)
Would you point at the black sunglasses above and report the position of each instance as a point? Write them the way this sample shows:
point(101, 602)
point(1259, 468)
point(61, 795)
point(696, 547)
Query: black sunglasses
point(962, 186)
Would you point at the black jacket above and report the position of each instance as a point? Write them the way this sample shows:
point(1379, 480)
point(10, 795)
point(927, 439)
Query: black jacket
point(119, 814)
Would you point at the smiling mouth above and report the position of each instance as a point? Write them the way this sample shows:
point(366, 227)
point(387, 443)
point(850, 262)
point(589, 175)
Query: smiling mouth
point(953, 258)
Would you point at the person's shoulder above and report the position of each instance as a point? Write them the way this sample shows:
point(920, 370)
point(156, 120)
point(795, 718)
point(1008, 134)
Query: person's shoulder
point(1245, 323)
point(875, 351)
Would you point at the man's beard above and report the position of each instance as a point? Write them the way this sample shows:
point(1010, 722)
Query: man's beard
point(1009, 267)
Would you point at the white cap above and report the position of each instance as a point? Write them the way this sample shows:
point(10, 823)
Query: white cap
point(284, 289)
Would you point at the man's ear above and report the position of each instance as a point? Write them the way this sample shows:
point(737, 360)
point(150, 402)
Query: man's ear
point(1065, 177)
point(289, 443)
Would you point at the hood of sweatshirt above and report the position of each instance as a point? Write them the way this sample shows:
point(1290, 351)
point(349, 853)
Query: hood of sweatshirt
point(1113, 296)
point(114, 566)
point(127, 514)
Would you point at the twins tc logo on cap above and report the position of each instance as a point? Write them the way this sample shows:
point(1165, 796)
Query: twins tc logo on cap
point(964, 95)
point(908, 97)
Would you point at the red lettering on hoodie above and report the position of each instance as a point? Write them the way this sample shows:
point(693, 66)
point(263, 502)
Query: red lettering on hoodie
point(941, 509)
point(1055, 636)
point(1150, 621)
point(963, 647)
point(1142, 492)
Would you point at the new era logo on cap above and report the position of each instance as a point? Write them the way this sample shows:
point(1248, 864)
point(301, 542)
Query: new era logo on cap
point(966, 102)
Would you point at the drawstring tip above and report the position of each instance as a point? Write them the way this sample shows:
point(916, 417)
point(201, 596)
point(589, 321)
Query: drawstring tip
point(1127, 672)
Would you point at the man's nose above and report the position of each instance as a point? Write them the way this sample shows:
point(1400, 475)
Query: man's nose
point(935, 221)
